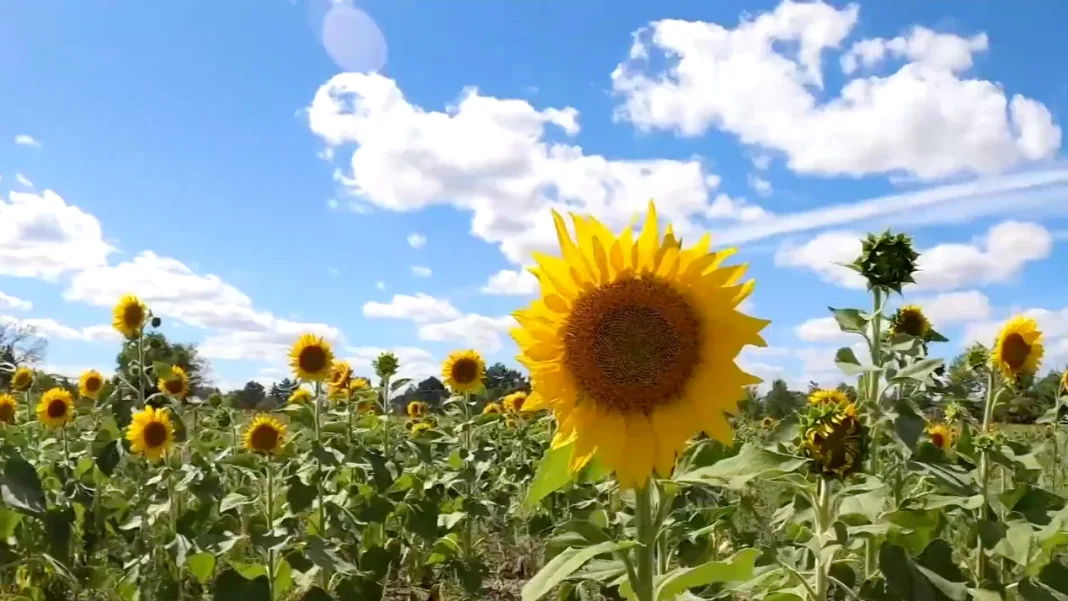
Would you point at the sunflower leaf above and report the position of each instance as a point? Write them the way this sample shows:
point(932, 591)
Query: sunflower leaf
point(162, 370)
point(21, 486)
point(850, 320)
point(553, 473)
point(919, 371)
point(565, 564)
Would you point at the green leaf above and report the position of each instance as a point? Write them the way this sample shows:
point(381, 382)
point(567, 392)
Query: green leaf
point(107, 457)
point(847, 361)
point(201, 566)
point(162, 370)
point(914, 582)
point(565, 564)
point(21, 486)
point(920, 370)
point(231, 585)
point(232, 500)
point(299, 496)
point(738, 567)
point(850, 320)
point(553, 473)
point(9, 520)
point(751, 462)
point(59, 526)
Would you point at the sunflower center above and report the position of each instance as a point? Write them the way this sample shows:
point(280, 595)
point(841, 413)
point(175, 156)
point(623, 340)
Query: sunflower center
point(173, 386)
point(633, 344)
point(133, 315)
point(264, 438)
point(517, 403)
point(155, 434)
point(1015, 350)
point(312, 359)
point(7, 411)
point(464, 371)
point(57, 409)
point(938, 439)
point(21, 380)
point(93, 383)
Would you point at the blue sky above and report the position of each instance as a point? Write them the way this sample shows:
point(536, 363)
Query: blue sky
point(256, 169)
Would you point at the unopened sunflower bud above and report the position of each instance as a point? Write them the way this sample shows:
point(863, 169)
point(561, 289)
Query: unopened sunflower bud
point(386, 365)
point(887, 261)
point(156, 322)
point(977, 357)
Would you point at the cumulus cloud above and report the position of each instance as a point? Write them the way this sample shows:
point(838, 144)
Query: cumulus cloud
point(50, 328)
point(14, 303)
point(41, 236)
point(473, 330)
point(422, 271)
point(416, 240)
point(27, 140)
point(822, 329)
point(516, 282)
point(826, 254)
point(23, 180)
point(421, 308)
point(955, 307)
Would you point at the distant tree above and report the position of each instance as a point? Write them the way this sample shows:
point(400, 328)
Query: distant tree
point(502, 380)
point(158, 348)
point(431, 383)
point(280, 391)
point(781, 402)
point(249, 397)
point(1037, 396)
point(19, 345)
point(750, 405)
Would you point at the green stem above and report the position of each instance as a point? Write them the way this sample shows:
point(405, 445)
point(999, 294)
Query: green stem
point(876, 348)
point(387, 414)
point(468, 533)
point(645, 553)
point(984, 477)
point(823, 523)
point(174, 517)
point(270, 525)
point(324, 577)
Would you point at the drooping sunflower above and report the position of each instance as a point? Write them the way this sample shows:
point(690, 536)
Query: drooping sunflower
point(492, 409)
point(910, 320)
point(176, 385)
point(311, 358)
point(128, 316)
point(416, 409)
point(828, 396)
point(151, 433)
point(463, 371)
point(941, 435)
point(513, 403)
point(633, 343)
point(8, 408)
point(22, 380)
point(420, 428)
point(835, 441)
point(56, 408)
point(90, 384)
point(1018, 349)
point(340, 377)
point(265, 435)
point(300, 396)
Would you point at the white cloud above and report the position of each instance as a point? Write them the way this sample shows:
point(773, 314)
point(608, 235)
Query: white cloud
point(41, 236)
point(940, 50)
point(416, 240)
point(955, 307)
point(27, 140)
point(421, 308)
point(421, 271)
point(517, 282)
point(823, 329)
point(270, 343)
point(763, 82)
point(999, 257)
point(825, 255)
point(50, 328)
point(380, 285)
point(473, 330)
point(760, 185)
point(23, 180)
point(14, 303)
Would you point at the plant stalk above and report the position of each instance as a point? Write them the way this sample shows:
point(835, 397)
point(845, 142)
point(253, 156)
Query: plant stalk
point(270, 525)
point(645, 553)
point(984, 477)
point(823, 519)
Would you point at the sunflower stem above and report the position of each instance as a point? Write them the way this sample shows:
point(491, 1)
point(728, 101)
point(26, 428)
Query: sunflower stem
point(645, 553)
point(984, 476)
point(876, 348)
point(823, 523)
point(270, 524)
point(325, 578)
point(172, 498)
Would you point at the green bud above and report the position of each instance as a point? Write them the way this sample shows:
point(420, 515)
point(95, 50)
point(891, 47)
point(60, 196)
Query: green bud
point(887, 261)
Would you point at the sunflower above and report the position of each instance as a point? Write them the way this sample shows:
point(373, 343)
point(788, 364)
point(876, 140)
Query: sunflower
point(513, 403)
point(176, 385)
point(8, 408)
point(828, 396)
point(22, 380)
point(633, 343)
point(1064, 383)
point(511, 423)
point(768, 422)
point(492, 409)
point(56, 408)
point(151, 432)
point(1018, 349)
point(359, 383)
point(128, 316)
point(265, 435)
point(463, 371)
point(910, 320)
point(311, 358)
point(419, 428)
point(941, 435)
point(340, 376)
point(300, 396)
point(90, 384)
point(416, 409)
point(835, 441)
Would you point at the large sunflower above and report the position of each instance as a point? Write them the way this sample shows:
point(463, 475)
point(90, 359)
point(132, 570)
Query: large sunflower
point(22, 380)
point(8, 408)
point(1018, 348)
point(56, 408)
point(1064, 383)
point(128, 316)
point(151, 432)
point(176, 385)
point(311, 358)
point(910, 320)
point(633, 344)
point(265, 435)
point(828, 396)
point(463, 371)
point(90, 384)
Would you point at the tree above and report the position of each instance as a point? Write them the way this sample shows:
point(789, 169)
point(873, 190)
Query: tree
point(502, 380)
point(781, 402)
point(431, 383)
point(19, 345)
point(749, 405)
point(249, 397)
point(280, 391)
point(157, 348)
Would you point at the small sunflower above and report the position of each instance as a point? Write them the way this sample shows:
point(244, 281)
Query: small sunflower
point(176, 385)
point(340, 376)
point(828, 396)
point(768, 422)
point(511, 423)
point(1018, 349)
point(463, 371)
point(90, 384)
point(416, 409)
point(128, 316)
point(311, 358)
point(265, 435)
point(359, 383)
point(22, 380)
point(420, 428)
point(941, 435)
point(835, 441)
point(513, 403)
point(492, 409)
point(56, 408)
point(8, 408)
point(151, 432)
point(910, 320)
point(300, 396)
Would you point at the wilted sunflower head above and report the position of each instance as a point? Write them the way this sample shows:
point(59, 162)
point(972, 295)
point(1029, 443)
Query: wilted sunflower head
point(300, 396)
point(56, 408)
point(8, 408)
point(151, 432)
point(416, 409)
point(386, 365)
point(1018, 349)
point(128, 316)
point(492, 409)
point(514, 402)
point(463, 371)
point(420, 428)
point(887, 261)
point(265, 435)
point(835, 440)
point(90, 384)
point(941, 435)
point(311, 358)
point(175, 385)
point(911, 321)
point(828, 396)
point(22, 380)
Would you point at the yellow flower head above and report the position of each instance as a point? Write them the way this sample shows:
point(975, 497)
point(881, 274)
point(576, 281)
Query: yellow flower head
point(300, 396)
point(492, 409)
point(175, 385)
point(22, 380)
point(1064, 383)
point(416, 409)
point(835, 442)
point(311, 358)
point(463, 371)
point(513, 403)
point(633, 342)
point(340, 376)
point(828, 396)
point(419, 428)
point(910, 320)
point(90, 384)
point(8, 408)
point(1018, 348)
point(265, 435)
point(128, 316)
point(56, 408)
point(359, 383)
point(941, 435)
point(151, 433)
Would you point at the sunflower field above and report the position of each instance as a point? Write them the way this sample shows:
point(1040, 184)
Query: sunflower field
point(626, 471)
